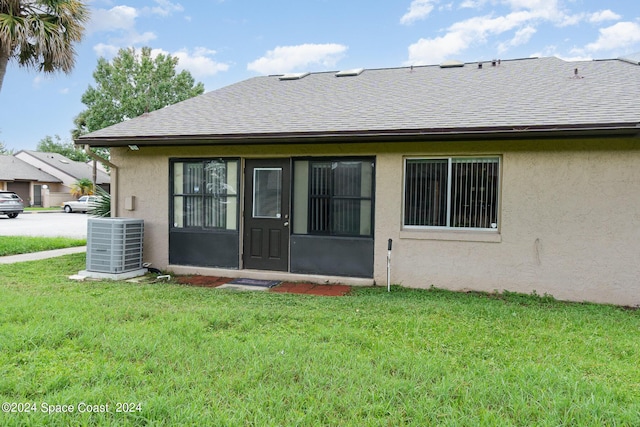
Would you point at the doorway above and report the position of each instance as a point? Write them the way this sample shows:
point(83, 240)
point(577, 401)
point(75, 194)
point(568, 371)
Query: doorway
point(266, 214)
point(37, 195)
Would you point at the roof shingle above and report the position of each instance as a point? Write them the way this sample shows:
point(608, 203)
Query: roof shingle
point(14, 169)
point(77, 170)
point(516, 94)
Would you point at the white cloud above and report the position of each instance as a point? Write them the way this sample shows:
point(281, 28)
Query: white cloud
point(436, 50)
point(521, 37)
point(134, 38)
point(131, 38)
point(106, 50)
point(571, 58)
point(418, 9)
point(472, 4)
point(512, 4)
point(555, 11)
point(568, 20)
point(551, 6)
point(594, 18)
point(481, 26)
point(120, 21)
point(604, 15)
point(116, 18)
point(164, 8)
point(285, 59)
point(522, 19)
point(553, 51)
point(616, 37)
point(464, 34)
point(199, 63)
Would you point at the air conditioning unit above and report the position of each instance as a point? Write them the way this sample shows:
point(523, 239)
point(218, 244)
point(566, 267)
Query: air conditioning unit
point(114, 245)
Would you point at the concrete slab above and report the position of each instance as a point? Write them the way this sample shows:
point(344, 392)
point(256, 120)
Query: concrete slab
point(112, 276)
point(34, 256)
point(235, 287)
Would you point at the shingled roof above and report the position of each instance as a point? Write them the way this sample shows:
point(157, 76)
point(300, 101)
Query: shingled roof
point(510, 97)
point(14, 169)
point(75, 169)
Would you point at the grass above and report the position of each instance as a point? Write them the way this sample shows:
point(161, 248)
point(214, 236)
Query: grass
point(201, 356)
point(13, 245)
point(38, 209)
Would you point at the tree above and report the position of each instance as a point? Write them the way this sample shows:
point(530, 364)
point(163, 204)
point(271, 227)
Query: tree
point(67, 149)
point(131, 84)
point(82, 187)
point(40, 34)
point(4, 149)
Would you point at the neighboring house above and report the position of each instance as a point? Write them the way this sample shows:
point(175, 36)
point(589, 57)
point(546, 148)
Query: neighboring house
point(519, 175)
point(66, 170)
point(99, 166)
point(30, 183)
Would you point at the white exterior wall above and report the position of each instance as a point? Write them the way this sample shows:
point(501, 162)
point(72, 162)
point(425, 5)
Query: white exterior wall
point(569, 218)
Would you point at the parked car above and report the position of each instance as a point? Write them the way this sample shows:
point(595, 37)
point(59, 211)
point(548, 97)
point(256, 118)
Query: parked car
point(83, 204)
point(10, 204)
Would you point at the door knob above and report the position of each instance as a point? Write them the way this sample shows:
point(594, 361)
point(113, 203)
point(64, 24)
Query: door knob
point(286, 223)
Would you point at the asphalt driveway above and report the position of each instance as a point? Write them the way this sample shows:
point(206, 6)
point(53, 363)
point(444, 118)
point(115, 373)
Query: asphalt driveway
point(45, 224)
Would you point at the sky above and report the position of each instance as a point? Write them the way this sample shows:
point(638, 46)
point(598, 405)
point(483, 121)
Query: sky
point(221, 42)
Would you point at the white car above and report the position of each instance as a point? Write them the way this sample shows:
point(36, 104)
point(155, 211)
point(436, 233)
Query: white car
point(83, 204)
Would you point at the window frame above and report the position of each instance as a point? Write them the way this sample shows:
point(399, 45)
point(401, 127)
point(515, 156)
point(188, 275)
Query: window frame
point(336, 197)
point(450, 161)
point(204, 195)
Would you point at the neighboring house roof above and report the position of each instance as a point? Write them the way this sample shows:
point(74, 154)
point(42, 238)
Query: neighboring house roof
point(14, 169)
point(77, 170)
point(535, 94)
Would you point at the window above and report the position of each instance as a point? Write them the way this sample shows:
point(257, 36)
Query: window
point(457, 192)
point(204, 194)
point(267, 192)
point(333, 197)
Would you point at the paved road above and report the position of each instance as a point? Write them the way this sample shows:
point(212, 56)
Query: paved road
point(45, 224)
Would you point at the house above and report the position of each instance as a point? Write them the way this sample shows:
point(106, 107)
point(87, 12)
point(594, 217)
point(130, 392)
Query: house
point(519, 175)
point(65, 170)
point(30, 183)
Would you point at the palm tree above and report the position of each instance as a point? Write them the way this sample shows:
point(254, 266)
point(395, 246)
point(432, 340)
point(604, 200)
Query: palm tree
point(82, 187)
point(40, 34)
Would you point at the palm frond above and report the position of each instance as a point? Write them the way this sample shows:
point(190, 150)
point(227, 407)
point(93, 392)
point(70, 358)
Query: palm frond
point(102, 206)
point(41, 33)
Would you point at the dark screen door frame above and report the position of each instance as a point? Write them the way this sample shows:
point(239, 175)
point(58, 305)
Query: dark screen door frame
point(266, 214)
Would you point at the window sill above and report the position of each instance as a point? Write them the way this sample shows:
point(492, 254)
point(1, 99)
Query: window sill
point(452, 235)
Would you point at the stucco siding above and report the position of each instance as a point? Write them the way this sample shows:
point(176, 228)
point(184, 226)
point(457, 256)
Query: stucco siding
point(569, 227)
point(569, 222)
point(144, 175)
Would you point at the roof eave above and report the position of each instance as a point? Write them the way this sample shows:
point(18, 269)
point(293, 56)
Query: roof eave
point(512, 132)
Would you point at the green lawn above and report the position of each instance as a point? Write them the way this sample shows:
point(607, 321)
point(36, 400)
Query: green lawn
point(37, 209)
point(200, 356)
point(13, 245)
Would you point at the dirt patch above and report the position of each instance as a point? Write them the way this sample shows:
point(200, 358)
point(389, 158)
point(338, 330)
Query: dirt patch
point(203, 281)
point(313, 289)
point(286, 287)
